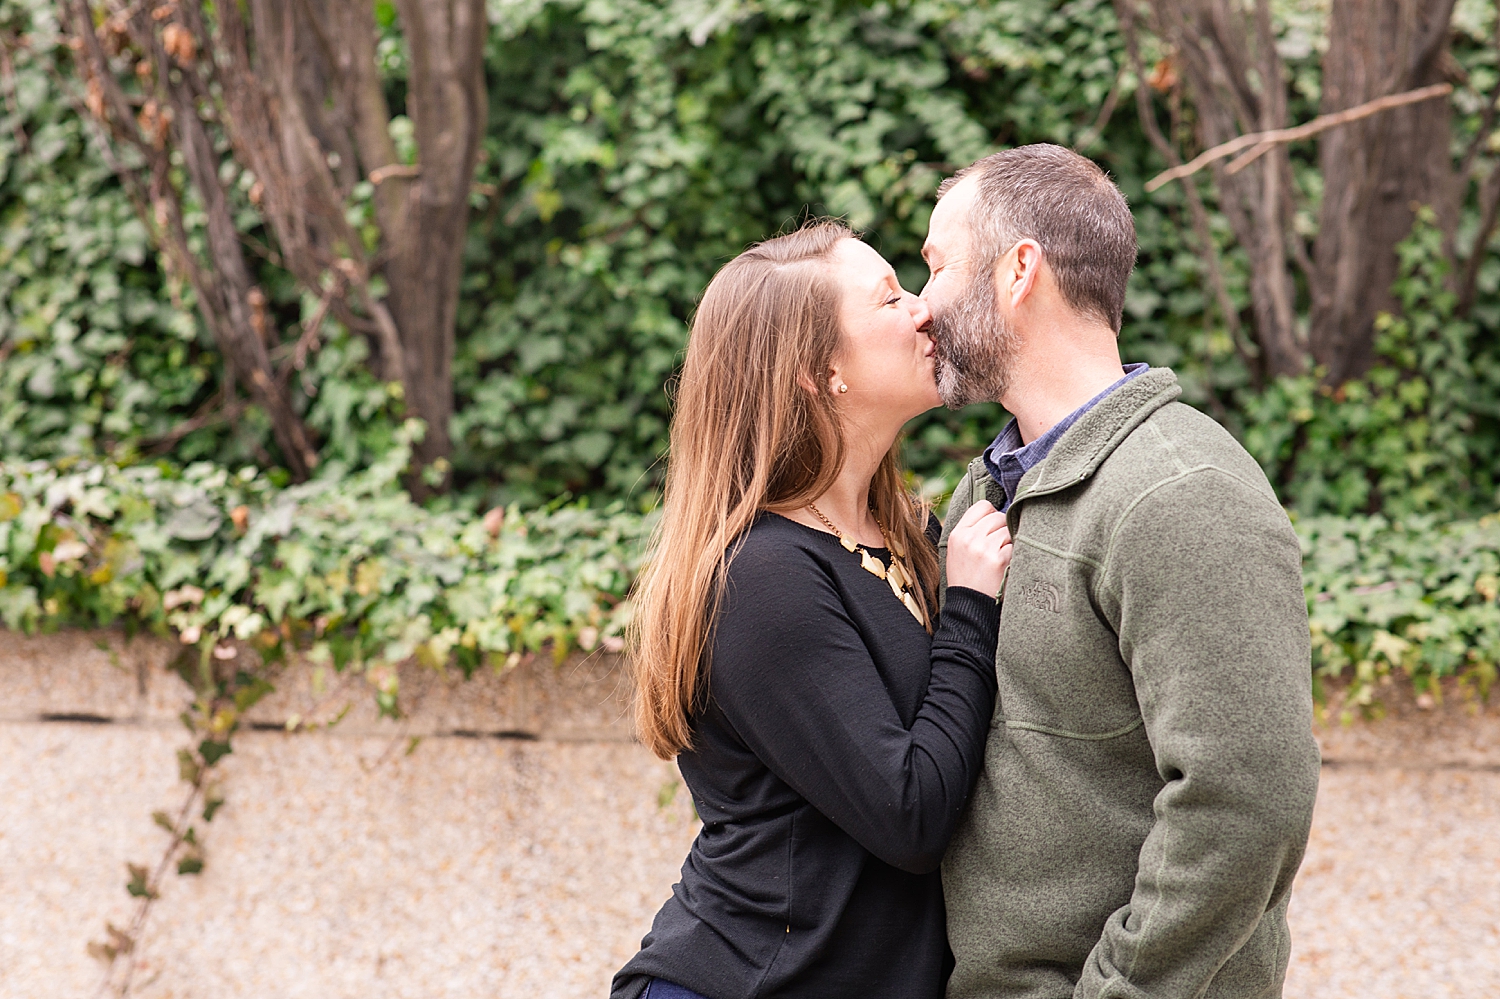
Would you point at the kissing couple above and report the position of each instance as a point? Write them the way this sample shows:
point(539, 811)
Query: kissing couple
point(1059, 747)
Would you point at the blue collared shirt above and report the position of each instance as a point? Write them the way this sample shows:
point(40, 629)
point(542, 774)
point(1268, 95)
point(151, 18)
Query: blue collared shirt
point(1008, 459)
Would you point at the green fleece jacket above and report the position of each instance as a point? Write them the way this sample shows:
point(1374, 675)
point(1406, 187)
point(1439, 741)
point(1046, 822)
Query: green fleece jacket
point(1149, 780)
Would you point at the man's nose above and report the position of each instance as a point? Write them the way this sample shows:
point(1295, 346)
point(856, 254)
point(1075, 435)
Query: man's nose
point(920, 313)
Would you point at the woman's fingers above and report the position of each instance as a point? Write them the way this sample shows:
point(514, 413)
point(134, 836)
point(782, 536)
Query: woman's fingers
point(986, 527)
point(972, 515)
point(992, 523)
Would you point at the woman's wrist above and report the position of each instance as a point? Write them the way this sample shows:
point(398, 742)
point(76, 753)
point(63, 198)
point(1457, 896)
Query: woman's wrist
point(971, 619)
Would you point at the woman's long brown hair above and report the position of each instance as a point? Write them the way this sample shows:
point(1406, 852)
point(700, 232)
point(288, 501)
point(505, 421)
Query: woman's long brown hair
point(755, 428)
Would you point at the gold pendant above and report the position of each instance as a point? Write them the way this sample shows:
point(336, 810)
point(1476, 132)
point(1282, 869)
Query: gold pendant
point(915, 608)
point(898, 574)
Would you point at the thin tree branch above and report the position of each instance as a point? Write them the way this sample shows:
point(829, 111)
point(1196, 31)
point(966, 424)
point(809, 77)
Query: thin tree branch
point(8, 84)
point(1489, 200)
point(1487, 123)
point(207, 416)
point(1260, 143)
point(381, 174)
point(1201, 229)
point(1106, 111)
point(310, 332)
point(1427, 48)
point(390, 338)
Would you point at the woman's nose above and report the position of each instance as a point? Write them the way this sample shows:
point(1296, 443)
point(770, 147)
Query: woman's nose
point(920, 313)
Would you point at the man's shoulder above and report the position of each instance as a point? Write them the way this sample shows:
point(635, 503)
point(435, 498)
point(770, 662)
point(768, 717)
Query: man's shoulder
point(1178, 443)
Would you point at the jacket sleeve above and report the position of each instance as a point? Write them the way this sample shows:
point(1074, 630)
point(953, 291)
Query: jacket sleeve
point(964, 495)
point(793, 676)
point(962, 499)
point(1203, 583)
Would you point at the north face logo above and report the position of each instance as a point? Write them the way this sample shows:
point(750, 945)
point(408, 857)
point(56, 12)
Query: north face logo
point(1040, 595)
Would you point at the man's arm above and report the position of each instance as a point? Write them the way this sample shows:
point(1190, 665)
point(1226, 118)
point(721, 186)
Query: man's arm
point(1203, 582)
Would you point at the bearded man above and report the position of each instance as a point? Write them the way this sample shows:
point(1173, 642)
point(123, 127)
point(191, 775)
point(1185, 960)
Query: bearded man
point(1149, 779)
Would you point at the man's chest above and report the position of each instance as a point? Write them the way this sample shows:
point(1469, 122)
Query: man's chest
point(1059, 661)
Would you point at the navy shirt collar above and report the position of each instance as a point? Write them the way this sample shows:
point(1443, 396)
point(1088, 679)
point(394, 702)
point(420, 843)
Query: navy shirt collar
point(1008, 459)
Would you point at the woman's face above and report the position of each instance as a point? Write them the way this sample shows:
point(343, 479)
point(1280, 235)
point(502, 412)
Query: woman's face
point(884, 357)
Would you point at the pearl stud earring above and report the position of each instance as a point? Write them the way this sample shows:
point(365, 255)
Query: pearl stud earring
point(843, 388)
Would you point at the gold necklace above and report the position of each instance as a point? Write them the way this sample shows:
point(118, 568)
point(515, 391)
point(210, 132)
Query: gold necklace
point(896, 574)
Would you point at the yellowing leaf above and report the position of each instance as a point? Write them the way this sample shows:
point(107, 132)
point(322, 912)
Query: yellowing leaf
point(1388, 645)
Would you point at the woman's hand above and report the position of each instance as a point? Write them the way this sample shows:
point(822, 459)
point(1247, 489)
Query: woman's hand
point(979, 549)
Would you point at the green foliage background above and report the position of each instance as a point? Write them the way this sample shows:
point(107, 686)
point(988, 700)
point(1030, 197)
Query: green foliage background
point(633, 148)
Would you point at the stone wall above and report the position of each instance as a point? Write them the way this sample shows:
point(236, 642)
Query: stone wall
point(507, 838)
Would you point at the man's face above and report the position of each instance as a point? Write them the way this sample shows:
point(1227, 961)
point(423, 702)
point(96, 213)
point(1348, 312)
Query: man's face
point(976, 342)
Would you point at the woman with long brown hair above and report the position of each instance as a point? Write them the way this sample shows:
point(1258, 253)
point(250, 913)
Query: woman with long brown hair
point(788, 648)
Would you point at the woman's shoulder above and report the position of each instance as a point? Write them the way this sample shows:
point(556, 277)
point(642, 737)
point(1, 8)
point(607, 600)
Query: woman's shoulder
point(774, 544)
point(781, 598)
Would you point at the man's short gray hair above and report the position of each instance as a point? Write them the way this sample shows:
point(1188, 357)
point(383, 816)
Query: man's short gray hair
point(1073, 211)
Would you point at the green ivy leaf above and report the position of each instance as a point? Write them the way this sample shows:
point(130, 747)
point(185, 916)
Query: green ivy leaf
point(188, 767)
point(213, 751)
point(138, 886)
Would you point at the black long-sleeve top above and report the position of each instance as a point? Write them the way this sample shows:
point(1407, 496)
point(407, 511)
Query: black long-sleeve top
point(830, 766)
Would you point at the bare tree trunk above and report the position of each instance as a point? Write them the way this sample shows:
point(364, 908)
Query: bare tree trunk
point(240, 304)
point(1202, 231)
point(295, 87)
point(448, 106)
point(1236, 80)
point(1376, 170)
point(233, 308)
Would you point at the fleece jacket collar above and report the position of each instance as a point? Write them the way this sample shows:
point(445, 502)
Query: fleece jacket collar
point(1095, 436)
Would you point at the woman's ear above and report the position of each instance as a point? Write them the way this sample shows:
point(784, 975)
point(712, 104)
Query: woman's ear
point(836, 385)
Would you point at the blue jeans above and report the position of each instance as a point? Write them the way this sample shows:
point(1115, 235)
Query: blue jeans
point(660, 988)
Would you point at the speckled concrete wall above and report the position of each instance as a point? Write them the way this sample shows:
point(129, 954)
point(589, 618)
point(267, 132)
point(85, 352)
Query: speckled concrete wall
point(522, 846)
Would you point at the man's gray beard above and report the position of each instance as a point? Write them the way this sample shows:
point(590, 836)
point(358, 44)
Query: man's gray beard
point(976, 347)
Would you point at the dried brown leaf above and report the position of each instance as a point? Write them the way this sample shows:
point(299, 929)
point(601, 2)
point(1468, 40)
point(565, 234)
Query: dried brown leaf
point(180, 44)
point(1163, 76)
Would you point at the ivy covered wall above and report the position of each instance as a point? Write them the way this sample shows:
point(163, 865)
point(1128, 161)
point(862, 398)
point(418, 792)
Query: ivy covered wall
point(635, 146)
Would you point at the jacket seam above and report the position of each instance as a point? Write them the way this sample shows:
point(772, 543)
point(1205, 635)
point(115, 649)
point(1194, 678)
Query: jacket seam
point(1155, 907)
point(1127, 427)
point(944, 537)
point(1114, 535)
point(1060, 553)
point(1084, 736)
point(1142, 413)
point(1167, 446)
